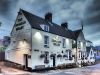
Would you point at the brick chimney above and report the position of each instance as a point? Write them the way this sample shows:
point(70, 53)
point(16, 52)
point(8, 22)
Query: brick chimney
point(48, 16)
point(64, 25)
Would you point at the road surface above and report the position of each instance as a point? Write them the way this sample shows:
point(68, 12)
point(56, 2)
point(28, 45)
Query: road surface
point(90, 70)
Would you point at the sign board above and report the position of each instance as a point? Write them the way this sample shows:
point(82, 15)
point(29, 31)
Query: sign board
point(56, 41)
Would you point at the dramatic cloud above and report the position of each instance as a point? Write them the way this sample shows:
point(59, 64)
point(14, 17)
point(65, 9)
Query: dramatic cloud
point(92, 21)
point(6, 7)
point(71, 11)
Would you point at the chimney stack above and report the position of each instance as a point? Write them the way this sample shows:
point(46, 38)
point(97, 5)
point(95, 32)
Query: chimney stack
point(48, 16)
point(64, 25)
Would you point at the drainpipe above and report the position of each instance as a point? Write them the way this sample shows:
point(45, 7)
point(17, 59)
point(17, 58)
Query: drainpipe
point(76, 55)
point(31, 39)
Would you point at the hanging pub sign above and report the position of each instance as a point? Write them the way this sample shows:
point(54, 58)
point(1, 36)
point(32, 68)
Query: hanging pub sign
point(20, 21)
point(19, 24)
point(56, 41)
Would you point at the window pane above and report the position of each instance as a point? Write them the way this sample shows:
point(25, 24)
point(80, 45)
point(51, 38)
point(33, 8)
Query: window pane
point(64, 44)
point(46, 28)
point(46, 41)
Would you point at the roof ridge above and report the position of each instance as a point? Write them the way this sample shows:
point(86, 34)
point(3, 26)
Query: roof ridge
point(30, 13)
point(38, 16)
point(35, 20)
point(42, 18)
point(78, 30)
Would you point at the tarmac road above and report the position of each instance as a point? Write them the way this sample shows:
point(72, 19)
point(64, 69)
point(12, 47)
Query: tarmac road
point(90, 70)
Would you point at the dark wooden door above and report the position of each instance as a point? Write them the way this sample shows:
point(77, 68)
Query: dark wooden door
point(26, 60)
point(54, 61)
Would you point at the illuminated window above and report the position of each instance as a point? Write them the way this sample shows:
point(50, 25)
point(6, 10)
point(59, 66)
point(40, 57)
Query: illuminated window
point(46, 41)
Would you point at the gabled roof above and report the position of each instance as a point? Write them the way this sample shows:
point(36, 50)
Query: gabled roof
point(77, 32)
point(35, 22)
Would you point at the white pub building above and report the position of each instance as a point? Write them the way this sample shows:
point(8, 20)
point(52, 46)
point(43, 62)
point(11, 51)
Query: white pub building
point(38, 43)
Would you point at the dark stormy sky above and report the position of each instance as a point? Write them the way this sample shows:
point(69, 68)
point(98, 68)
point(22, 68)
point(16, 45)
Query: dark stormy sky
point(71, 11)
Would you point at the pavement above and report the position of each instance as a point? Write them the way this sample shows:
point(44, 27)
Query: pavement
point(89, 70)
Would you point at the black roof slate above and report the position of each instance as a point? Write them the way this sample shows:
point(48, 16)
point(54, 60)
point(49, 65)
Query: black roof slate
point(35, 22)
point(77, 32)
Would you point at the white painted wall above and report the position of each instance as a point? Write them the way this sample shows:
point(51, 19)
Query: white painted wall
point(82, 41)
point(82, 48)
point(38, 44)
point(18, 46)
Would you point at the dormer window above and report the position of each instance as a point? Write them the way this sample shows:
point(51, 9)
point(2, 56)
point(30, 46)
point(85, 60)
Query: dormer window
point(45, 27)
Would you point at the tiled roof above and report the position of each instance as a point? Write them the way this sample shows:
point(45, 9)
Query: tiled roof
point(35, 22)
point(77, 32)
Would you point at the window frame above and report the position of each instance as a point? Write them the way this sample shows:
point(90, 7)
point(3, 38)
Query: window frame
point(64, 43)
point(46, 41)
point(46, 28)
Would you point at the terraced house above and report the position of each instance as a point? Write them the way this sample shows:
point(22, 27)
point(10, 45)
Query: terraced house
point(39, 43)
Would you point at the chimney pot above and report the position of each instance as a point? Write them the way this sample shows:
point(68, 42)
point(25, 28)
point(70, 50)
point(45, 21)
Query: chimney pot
point(48, 16)
point(64, 25)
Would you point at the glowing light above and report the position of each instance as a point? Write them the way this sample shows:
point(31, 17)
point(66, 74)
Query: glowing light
point(74, 41)
point(23, 46)
point(67, 41)
point(38, 36)
point(81, 45)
